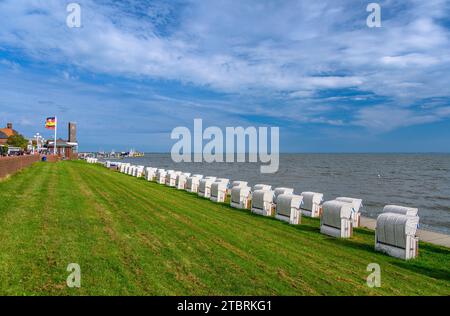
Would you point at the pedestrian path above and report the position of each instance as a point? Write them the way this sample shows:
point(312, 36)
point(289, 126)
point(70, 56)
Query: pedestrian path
point(424, 235)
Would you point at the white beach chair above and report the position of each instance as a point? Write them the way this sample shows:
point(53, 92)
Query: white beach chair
point(395, 235)
point(204, 188)
point(150, 173)
point(139, 172)
point(161, 176)
point(288, 208)
point(336, 219)
point(219, 190)
point(181, 181)
point(240, 197)
point(311, 204)
point(262, 202)
point(124, 167)
point(92, 160)
point(171, 178)
point(193, 182)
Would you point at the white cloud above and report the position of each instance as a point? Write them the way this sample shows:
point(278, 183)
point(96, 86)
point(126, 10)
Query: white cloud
point(410, 60)
point(387, 118)
point(252, 48)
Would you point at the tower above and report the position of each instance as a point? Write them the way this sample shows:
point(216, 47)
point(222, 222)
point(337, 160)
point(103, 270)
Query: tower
point(72, 132)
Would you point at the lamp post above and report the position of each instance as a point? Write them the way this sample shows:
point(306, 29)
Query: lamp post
point(38, 139)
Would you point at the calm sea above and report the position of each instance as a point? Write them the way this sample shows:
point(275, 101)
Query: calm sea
point(417, 180)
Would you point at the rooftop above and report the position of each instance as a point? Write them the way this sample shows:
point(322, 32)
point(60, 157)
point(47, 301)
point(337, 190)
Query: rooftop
point(6, 132)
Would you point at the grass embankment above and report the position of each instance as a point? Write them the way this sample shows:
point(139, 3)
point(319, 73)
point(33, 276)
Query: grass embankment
point(132, 237)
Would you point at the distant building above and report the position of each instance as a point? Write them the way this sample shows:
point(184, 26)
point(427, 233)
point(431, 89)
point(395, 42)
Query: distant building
point(72, 132)
point(65, 148)
point(6, 132)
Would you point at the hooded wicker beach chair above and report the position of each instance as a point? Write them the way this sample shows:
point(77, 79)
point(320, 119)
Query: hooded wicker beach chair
point(288, 208)
point(336, 219)
point(395, 235)
point(150, 173)
point(193, 182)
point(240, 197)
point(161, 176)
point(171, 178)
point(204, 188)
point(311, 204)
point(262, 202)
point(181, 180)
point(219, 190)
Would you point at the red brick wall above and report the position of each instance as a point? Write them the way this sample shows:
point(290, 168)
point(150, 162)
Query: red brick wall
point(10, 165)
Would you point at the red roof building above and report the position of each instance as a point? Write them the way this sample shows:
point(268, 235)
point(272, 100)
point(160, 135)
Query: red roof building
point(6, 132)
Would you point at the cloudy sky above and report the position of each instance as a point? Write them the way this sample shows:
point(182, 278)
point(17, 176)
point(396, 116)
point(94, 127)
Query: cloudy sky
point(135, 70)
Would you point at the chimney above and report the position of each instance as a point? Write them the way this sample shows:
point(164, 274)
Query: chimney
point(9, 125)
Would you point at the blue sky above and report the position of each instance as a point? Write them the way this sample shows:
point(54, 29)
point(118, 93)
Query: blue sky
point(137, 69)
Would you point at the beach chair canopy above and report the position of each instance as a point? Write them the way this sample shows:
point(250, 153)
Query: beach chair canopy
point(357, 203)
point(223, 180)
point(239, 184)
point(279, 191)
point(409, 211)
point(266, 187)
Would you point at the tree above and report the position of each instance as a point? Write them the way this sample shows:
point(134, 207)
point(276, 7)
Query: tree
point(4, 150)
point(17, 140)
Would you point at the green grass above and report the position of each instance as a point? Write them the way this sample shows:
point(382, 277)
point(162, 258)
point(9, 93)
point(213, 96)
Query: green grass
point(132, 237)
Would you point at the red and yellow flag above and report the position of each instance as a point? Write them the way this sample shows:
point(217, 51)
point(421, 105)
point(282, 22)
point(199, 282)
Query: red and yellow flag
point(50, 123)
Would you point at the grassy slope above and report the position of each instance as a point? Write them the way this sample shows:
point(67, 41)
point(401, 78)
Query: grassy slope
point(132, 237)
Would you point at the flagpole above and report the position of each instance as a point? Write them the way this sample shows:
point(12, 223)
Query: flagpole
point(56, 128)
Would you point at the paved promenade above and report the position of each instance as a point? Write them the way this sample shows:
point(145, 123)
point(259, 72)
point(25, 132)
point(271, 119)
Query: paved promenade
point(424, 235)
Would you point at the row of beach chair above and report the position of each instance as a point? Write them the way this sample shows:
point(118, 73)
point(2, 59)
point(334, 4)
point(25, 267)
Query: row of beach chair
point(395, 230)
